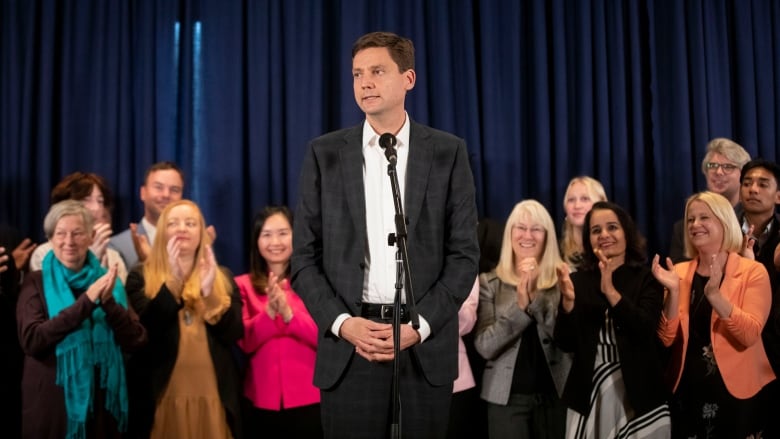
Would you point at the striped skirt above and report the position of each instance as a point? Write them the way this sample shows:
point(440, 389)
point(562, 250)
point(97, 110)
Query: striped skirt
point(611, 415)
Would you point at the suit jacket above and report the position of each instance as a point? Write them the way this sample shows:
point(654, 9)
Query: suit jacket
point(500, 328)
point(765, 254)
point(330, 242)
point(736, 341)
point(123, 243)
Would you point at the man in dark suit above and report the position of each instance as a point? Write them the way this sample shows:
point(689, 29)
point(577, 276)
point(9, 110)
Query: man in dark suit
point(344, 269)
point(760, 195)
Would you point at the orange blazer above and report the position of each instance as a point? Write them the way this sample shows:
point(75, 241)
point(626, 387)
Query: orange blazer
point(736, 341)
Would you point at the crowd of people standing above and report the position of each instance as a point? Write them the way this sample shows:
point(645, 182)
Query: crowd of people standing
point(143, 334)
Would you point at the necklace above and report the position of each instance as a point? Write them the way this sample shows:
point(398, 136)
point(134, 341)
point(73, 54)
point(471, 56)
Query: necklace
point(187, 317)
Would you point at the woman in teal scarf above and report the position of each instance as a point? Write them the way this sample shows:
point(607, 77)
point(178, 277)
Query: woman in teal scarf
point(74, 324)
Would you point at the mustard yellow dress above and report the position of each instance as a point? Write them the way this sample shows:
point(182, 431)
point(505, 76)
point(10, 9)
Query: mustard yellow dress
point(190, 406)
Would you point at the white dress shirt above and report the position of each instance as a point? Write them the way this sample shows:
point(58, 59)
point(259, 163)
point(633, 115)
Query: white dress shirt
point(380, 263)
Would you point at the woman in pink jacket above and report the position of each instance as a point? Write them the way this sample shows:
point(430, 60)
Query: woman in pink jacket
point(280, 337)
point(715, 308)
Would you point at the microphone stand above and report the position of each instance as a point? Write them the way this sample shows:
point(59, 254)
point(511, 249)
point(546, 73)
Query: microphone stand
point(402, 274)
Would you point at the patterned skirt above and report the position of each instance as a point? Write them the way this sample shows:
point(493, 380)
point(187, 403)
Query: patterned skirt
point(611, 414)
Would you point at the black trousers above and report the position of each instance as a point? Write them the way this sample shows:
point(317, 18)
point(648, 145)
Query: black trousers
point(359, 406)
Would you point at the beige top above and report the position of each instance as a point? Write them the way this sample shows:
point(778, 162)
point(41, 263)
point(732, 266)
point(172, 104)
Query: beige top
point(190, 407)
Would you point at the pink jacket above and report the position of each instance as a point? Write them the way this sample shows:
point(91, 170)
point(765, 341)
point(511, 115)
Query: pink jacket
point(467, 316)
point(736, 341)
point(281, 355)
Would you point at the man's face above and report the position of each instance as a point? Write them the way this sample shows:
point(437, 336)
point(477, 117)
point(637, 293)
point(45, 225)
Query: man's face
point(759, 192)
point(379, 87)
point(720, 180)
point(161, 188)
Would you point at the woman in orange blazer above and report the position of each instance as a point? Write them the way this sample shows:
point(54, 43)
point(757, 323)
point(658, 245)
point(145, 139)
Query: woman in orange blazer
point(715, 308)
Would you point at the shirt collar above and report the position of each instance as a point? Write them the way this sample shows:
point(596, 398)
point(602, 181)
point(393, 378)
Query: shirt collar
point(371, 137)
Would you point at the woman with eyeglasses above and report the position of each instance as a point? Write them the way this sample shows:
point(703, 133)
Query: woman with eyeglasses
point(518, 303)
point(74, 326)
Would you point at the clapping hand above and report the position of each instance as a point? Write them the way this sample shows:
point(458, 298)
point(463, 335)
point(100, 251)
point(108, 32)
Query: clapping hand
point(277, 299)
point(527, 274)
point(712, 287)
point(103, 287)
point(208, 271)
point(748, 244)
point(666, 276)
point(566, 286)
point(100, 238)
point(177, 270)
point(140, 243)
point(3, 260)
point(22, 253)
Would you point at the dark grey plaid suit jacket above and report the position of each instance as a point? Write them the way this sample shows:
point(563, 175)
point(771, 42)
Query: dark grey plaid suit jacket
point(329, 242)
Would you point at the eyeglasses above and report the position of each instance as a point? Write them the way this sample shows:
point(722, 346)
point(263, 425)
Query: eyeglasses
point(727, 168)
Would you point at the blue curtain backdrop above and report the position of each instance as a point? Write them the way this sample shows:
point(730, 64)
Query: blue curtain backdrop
point(542, 90)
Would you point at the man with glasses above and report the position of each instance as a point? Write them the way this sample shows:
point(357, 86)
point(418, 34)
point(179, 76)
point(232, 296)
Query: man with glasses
point(721, 166)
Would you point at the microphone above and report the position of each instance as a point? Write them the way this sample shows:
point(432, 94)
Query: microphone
point(387, 141)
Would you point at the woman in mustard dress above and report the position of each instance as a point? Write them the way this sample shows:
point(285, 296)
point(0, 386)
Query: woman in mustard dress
point(186, 382)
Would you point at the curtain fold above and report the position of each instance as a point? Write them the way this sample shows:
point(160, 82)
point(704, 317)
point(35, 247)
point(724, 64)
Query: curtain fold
point(541, 90)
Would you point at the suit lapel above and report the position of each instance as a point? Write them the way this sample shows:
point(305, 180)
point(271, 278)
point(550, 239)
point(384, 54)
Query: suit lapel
point(418, 167)
point(351, 164)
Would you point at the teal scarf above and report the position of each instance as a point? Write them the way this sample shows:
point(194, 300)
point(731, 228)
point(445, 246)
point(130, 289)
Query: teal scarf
point(91, 344)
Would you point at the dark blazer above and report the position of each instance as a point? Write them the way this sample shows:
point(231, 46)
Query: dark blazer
point(765, 254)
point(150, 369)
point(635, 319)
point(330, 242)
point(43, 401)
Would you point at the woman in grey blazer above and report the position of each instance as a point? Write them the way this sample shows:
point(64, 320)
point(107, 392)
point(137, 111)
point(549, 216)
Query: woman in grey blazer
point(518, 302)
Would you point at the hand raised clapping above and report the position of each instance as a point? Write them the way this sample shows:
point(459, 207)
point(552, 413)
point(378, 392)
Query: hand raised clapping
point(140, 243)
point(566, 287)
point(208, 271)
point(103, 287)
point(666, 276)
point(712, 287)
point(101, 236)
point(607, 266)
point(527, 271)
point(277, 299)
point(177, 267)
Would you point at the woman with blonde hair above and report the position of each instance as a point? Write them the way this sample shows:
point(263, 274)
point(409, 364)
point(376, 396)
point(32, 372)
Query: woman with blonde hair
point(715, 308)
point(518, 303)
point(580, 195)
point(185, 383)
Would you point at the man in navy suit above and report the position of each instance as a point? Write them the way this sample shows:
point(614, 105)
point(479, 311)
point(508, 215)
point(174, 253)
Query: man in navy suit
point(344, 269)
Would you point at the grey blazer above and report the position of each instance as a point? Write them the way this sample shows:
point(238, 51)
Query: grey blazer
point(500, 326)
point(330, 243)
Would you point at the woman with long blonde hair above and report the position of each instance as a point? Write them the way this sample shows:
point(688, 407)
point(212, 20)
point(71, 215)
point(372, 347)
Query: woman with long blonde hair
point(518, 304)
point(580, 195)
point(186, 382)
